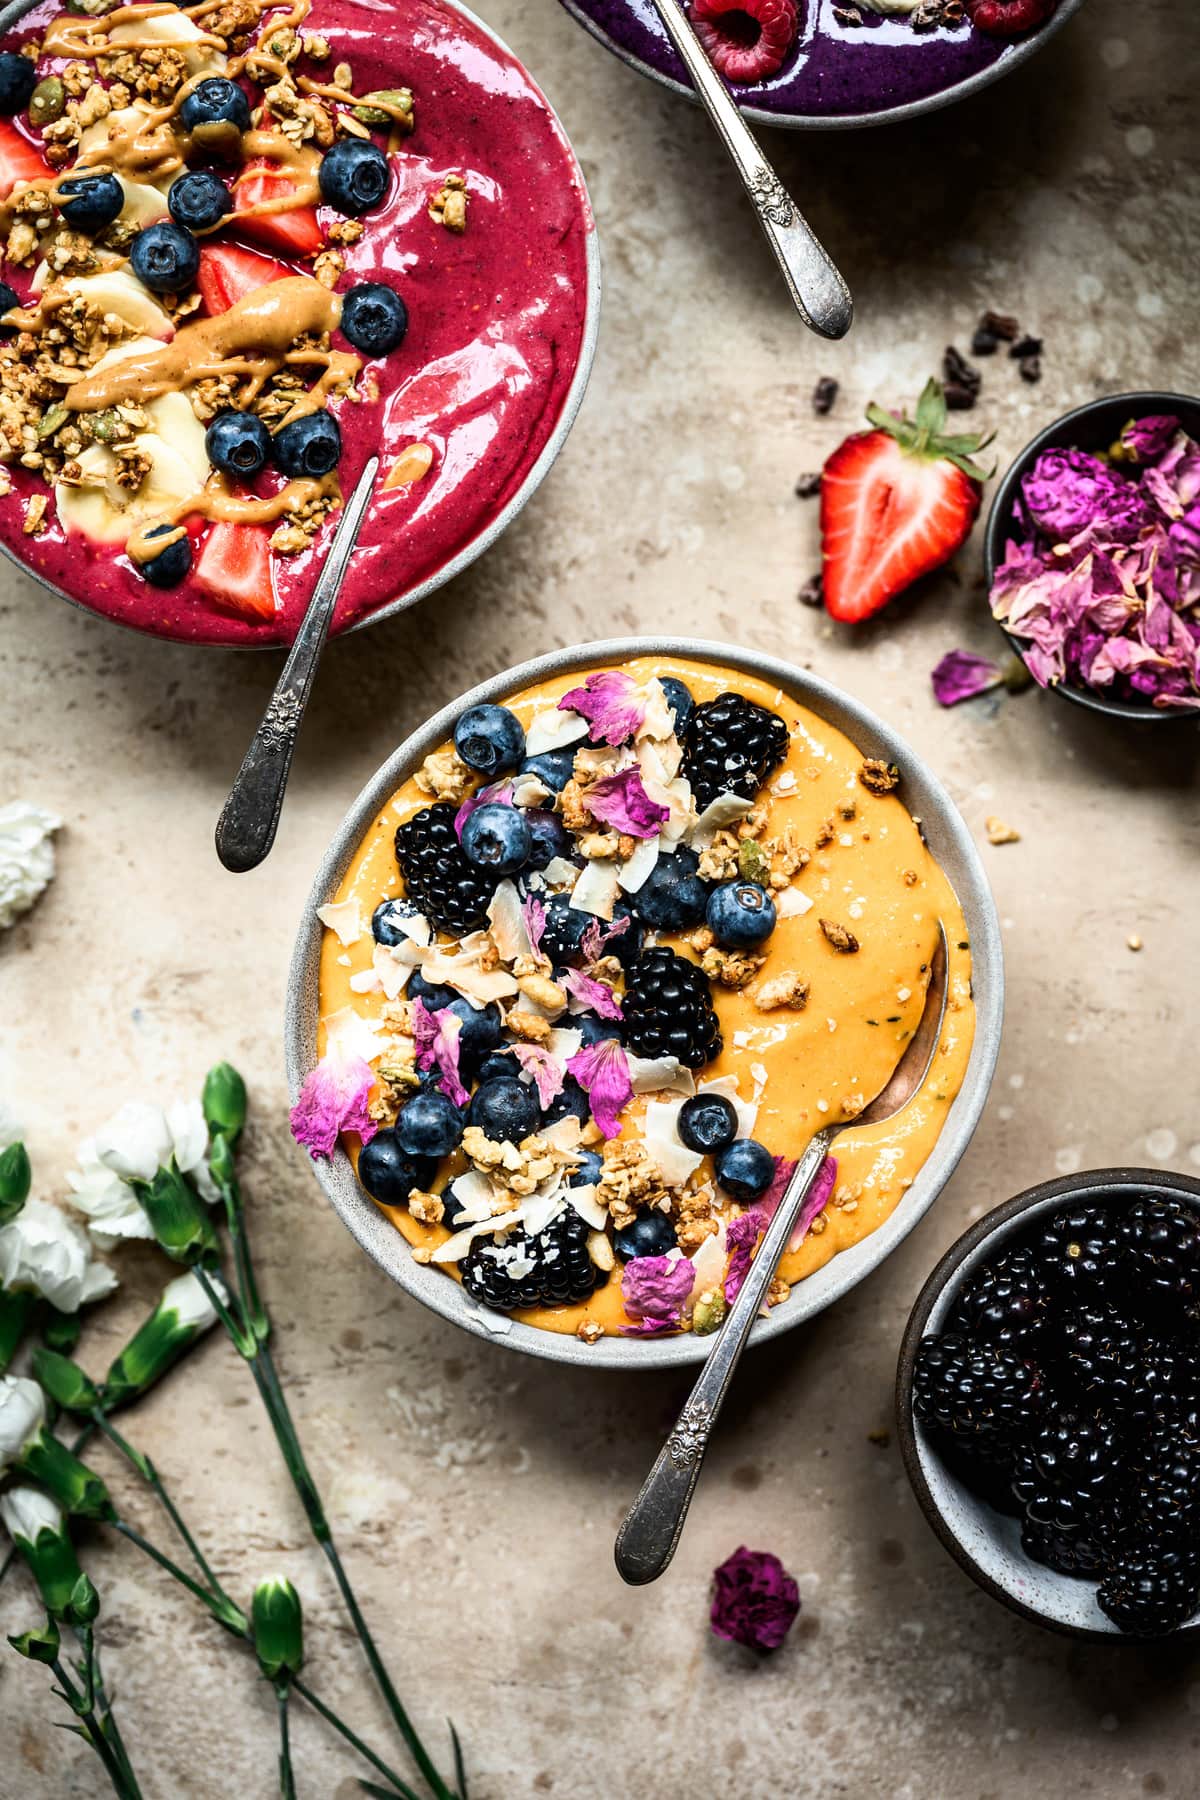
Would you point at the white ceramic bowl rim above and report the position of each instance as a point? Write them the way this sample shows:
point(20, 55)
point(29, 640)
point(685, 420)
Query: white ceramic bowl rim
point(534, 476)
point(949, 842)
point(985, 1543)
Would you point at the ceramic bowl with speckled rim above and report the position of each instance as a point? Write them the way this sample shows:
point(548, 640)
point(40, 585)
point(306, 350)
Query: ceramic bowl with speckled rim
point(984, 1542)
point(950, 843)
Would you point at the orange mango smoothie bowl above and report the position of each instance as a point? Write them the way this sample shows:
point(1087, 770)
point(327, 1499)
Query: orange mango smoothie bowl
point(595, 956)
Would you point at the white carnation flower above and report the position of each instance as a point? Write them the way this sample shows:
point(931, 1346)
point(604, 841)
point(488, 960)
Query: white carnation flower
point(26, 1512)
point(26, 856)
point(41, 1249)
point(22, 1415)
point(133, 1146)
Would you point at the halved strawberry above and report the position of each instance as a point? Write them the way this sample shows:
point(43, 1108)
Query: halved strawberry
point(228, 273)
point(19, 161)
point(896, 502)
point(294, 231)
point(235, 568)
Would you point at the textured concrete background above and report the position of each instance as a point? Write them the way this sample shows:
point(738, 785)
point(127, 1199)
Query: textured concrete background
point(475, 1494)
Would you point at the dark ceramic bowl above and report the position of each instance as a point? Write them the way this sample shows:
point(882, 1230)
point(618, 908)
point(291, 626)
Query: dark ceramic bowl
point(1091, 427)
point(985, 1542)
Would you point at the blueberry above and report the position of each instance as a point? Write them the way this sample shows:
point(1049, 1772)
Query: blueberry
point(562, 933)
point(168, 568)
point(374, 318)
point(8, 299)
point(708, 1123)
point(651, 1234)
point(553, 767)
point(389, 1174)
point(740, 914)
point(353, 176)
point(672, 897)
point(92, 201)
point(164, 258)
point(431, 993)
point(18, 78)
point(595, 1030)
point(572, 1103)
point(627, 945)
point(489, 739)
point(498, 1066)
point(453, 1210)
point(238, 443)
point(746, 1169)
point(505, 1111)
point(310, 445)
point(589, 1170)
point(497, 838)
point(679, 700)
point(429, 1125)
point(481, 1028)
point(216, 101)
point(199, 199)
point(385, 928)
point(549, 837)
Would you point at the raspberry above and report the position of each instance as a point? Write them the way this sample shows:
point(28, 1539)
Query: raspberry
point(1004, 18)
point(745, 40)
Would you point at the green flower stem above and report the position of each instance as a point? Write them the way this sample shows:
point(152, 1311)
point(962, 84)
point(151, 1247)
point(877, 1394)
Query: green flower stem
point(287, 1780)
point(253, 1309)
point(149, 1474)
point(353, 1739)
point(220, 1606)
point(110, 1718)
point(15, 1309)
point(243, 1341)
point(122, 1778)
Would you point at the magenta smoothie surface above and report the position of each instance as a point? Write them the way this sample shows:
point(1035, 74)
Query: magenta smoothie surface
point(496, 328)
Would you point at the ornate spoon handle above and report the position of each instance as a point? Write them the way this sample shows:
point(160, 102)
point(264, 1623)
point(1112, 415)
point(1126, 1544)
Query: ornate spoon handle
point(250, 817)
point(647, 1538)
point(820, 295)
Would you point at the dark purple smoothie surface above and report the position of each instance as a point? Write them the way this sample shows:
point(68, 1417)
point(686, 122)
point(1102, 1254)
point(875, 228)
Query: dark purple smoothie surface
point(833, 70)
point(496, 325)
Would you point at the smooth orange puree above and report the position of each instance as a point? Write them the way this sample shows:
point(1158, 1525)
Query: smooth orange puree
point(824, 1062)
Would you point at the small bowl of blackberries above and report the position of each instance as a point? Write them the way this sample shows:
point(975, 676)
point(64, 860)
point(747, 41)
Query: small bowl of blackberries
point(1048, 1400)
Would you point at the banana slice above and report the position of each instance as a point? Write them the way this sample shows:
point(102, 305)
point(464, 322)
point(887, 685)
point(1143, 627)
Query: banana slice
point(143, 205)
point(177, 30)
point(117, 291)
point(179, 467)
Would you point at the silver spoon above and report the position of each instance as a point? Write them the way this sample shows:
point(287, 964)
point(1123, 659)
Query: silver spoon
point(651, 1530)
point(818, 291)
point(250, 817)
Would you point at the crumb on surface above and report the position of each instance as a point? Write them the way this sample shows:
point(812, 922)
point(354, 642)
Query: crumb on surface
point(998, 832)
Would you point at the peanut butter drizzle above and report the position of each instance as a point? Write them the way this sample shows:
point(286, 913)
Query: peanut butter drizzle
point(216, 502)
point(253, 338)
point(81, 39)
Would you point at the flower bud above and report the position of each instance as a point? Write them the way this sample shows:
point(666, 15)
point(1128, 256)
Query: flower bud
point(22, 1417)
point(224, 1101)
point(16, 1178)
point(39, 1646)
point(38, 1529)
point(65, 1381)
point(83, 1608)
point(182, 1313)
point(71, 1482)
point(179, 1220)
point(278, 1627)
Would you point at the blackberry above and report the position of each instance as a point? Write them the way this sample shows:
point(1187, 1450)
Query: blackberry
point(511, 1269)
point(1167, 1493)
point(1079, 1252)
point(669, 1010)
point(437, 876)
point(1081, 1553)
point(981, 1464)
point(1067, 1471)
point(1149, 1591)
point(974, 1389)
point(1006, 1303)
point(1103, 1360)
point(1161, 1239)
point(731, 747)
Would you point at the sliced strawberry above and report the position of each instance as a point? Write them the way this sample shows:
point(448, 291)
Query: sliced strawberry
point(228, 273)
point(896, 502)
point(19, 161)
point(235, 568)
point(294, 231)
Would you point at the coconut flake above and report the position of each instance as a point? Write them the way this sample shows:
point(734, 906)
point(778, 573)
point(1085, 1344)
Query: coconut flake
point(708, 1262)
point(457, 1246)
point(586, 1203)
point(634, 874)
point(464, 975)
point(510, 927)
point(651, 1074)
point(529, 791)
point(792, 904)
point(596, 889)
point(672, 1157)
point(553, 729)
point(725, 810)
point(540, 1208)
point(498, 1323)
point(343, 917)
point(348, 1035)
point(559, 873)
point(475, 1194)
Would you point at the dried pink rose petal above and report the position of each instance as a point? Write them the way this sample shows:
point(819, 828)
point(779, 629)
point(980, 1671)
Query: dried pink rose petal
point(654, 1290)
point(742, 1234)
point(621, 801)
point(332, 1100)
point(545, 1071)
point(437, 1040)
point(602, 1071)
point(611, 703)
point(597, 995)
point(755, 1600)
point(1145, 440)
point(599, 934)
point(741, 1238)
point(960, 676)
point(534, 914)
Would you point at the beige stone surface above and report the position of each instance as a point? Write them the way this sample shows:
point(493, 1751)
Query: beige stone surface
point(476, 1494)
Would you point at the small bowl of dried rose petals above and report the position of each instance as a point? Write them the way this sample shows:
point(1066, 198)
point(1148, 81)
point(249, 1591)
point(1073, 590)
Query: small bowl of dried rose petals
point(1092, 553)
